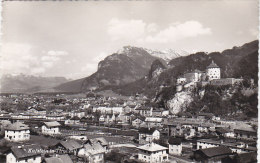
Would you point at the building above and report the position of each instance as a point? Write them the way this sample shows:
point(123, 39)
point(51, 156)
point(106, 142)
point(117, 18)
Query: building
point(73, 121)
point(182, 128)
point(51, 128)
point(137, 122)
point(175, 146)
point(4, 124)
point(152, 153)
point(58, 159)
point(67, 147)
point(225, 81)
point(214, 154)
point(144, 111)
point(225, 132)
point(245, 157)
point(246, 134)
point(79, 114)
point(24, 154)
point(147, 135)
point(92, 152)
point(54, 117)
point(213, 71)
point(101, 119)
point(102, 141)
point(235, 146)
point(17, 132)
point(153, 122)
point(193, 76)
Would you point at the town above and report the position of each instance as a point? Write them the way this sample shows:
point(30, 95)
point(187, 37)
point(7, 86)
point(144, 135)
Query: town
point(98, 128)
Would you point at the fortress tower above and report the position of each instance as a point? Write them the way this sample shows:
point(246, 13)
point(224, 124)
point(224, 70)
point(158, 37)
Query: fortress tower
point(213, 71)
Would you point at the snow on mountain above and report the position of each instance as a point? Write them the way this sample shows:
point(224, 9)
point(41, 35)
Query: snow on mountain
point(167, 54)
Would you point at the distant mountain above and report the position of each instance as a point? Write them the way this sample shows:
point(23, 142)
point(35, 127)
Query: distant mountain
point(125, 66)
point(167, 54)
point(236, 62)
point(28, 83)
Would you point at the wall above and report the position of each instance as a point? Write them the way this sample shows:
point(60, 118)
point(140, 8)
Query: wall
point(213, 73)
point(16, 136)
point(50, 131)
point(175, 149)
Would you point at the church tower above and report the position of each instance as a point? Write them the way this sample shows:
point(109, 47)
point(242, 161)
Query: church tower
point(213, 71)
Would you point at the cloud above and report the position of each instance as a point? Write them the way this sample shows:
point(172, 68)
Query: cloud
point(57, 53)
point(254, 32)
point(142, 32)
point(152, 27)
point(51, 57)
point(178, 31)
point(92, 67)
point(89, 68)
point(125, 29)
point(16, 58)
point(21, 58)
point(38, 70)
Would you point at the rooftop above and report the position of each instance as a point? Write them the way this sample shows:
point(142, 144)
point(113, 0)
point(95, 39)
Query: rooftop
point(52, 124)
point(216, 151)
point(94, 148)
point(213, 65)
point(152, 147)
point(26, 151)
point(227, 144)
point(17, 126)
point(174, 141)
point(146, 130)
point(59, 159)
point(70, 144)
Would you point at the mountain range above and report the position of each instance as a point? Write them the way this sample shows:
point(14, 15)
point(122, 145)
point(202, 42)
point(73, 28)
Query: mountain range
point(125, 66)
point(133, 70)
point(236, 62)
point(28, 83)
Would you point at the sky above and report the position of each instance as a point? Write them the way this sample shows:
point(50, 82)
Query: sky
point(64, 38)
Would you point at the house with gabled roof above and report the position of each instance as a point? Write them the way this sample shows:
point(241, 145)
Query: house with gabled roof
point(153, 121)
point(72, 121)
point(24, 154)
point(225, 132)
point(245, 133)
point(93, 152)
point(102, 141)
point(51, 128)
point(17, 132)
point(175, 146)
point(58, 159)
point(147, 135)
point(144, 111)
point(67, 147)
point(152, 153)
point(214, 154)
